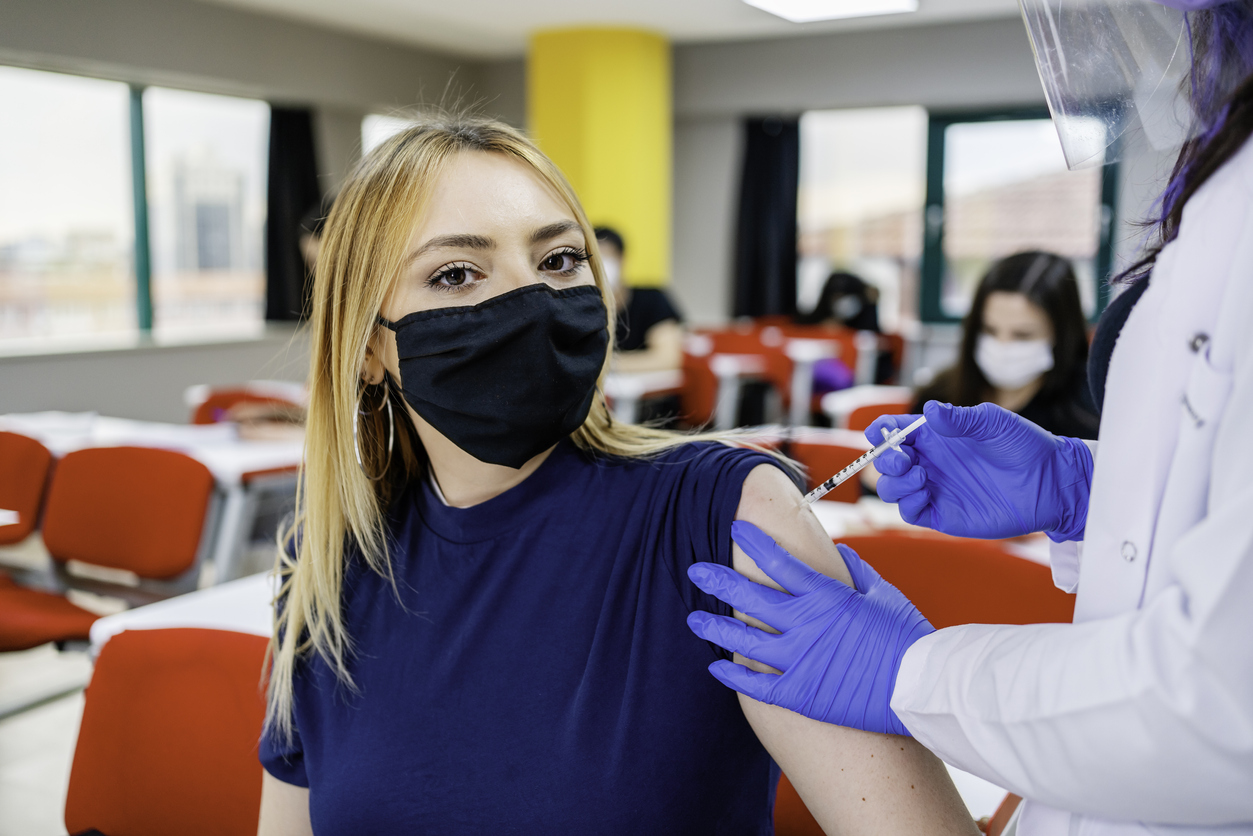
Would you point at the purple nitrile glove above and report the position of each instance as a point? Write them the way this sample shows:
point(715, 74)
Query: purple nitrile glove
point(985, 472)
point(838, 648)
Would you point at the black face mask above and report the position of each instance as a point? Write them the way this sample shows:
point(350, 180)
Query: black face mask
point(506, 379)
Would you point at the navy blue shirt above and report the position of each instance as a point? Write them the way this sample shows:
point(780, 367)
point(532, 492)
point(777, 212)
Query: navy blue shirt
point(536, 675)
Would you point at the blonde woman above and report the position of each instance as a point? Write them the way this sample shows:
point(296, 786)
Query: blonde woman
point(482, 623)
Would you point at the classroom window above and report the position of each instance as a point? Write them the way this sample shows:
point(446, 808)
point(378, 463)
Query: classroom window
point(999, 185)
point(206, 171)
point(66, 214)
point(860, 201)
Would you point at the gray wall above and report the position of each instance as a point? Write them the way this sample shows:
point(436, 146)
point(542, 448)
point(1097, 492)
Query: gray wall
point(146, 382)
point(220, 49)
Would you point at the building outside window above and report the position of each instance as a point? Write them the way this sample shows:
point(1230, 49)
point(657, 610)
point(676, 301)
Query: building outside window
point(1006, 189)
point(860, 204)
point(206, 172)
point(66, 213)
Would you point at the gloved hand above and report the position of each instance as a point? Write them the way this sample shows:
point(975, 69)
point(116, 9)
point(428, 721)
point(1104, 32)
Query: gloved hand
point(839, 648)
point(985, 472)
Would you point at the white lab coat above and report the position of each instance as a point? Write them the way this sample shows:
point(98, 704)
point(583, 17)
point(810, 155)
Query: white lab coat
point(1139, 716)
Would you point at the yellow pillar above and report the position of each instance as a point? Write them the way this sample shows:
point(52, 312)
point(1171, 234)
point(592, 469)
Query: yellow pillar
point(599, 104)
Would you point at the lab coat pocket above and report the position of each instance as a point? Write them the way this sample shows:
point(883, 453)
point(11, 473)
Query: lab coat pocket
point(1206, 394)
point(1204, 400)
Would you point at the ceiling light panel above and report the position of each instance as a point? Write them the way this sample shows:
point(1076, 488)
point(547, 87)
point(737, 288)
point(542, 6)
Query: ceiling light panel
point(806, 11)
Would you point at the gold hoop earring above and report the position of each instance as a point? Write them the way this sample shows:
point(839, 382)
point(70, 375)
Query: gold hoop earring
point(391, 430)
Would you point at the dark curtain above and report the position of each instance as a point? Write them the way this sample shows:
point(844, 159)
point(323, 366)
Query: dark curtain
point(765, 242)
point(293, 190)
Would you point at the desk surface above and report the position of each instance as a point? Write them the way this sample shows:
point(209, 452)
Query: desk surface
point(242, 606)
point(217, 446)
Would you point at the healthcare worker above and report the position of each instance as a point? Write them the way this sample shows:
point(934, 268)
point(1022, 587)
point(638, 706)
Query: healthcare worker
point(1138, 717)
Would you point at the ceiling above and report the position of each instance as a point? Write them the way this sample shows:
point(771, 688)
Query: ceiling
point(499, 28)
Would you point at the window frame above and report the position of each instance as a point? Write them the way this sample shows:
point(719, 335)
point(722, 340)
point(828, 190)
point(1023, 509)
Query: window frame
point(931, 278)
point(142, 252)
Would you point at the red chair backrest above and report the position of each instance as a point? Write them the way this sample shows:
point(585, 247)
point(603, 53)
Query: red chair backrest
point(958, 581)
point(213, 409)
point(168, 742)
point(131, 508)
point(700, 389)
point(24, 467)
point(863, 416)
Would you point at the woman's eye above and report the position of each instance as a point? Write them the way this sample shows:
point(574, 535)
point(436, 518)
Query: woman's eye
point(453, 277)
point(564, 262)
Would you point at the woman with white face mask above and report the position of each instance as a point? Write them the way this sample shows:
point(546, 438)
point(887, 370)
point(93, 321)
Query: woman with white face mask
point(1024, 347)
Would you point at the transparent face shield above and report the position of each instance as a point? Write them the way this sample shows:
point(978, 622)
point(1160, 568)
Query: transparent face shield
point(1110, 68)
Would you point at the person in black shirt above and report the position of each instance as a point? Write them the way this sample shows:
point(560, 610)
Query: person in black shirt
point(649, 331)
point(1024, 347)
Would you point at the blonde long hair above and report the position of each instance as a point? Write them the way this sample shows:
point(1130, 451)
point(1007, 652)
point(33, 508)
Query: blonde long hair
point(362, 251)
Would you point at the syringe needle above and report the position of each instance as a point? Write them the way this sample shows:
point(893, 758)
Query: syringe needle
point(892, 440)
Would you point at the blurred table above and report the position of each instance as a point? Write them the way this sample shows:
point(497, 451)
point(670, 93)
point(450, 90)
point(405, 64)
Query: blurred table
point(243, 606)
point(625, 391)
point(243, 470)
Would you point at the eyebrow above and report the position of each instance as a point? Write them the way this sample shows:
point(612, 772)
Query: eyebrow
point(464, 242)
point(481, 242)
point(546, 233)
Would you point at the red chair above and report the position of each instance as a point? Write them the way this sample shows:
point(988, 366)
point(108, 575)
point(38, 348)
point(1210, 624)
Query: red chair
point(168, 742)
point(699, 394)
point(130, 508)
point(826, 456)
point(995, 825)
point(863, 416)
point(210, 404)
point(25, 464)
point(951, 581)
point(215, 408)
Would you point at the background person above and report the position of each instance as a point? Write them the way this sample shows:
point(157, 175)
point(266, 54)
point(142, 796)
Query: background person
point(1024, 347)
point(648, 330)
point(850, 302)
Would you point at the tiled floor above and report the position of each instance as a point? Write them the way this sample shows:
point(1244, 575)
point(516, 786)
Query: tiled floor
point(36, 748)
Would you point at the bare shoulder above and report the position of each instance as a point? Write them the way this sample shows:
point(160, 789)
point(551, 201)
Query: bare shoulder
point(852, 781)
point(773, 503)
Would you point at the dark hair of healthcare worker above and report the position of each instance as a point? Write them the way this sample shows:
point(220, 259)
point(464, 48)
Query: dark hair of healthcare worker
point(1024, 347)
point(1138, 717)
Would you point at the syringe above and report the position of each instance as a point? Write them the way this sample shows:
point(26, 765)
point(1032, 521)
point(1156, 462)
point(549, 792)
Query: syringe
point(890, 440)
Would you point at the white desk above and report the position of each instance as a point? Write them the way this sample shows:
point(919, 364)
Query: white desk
point(839, 405)
point(626, 390)
point(232, 461)
point(242, 606)
point(805, 354)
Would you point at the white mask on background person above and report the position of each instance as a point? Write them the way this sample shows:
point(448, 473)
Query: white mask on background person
point(847, 307)
point(613, 272)
point(1012, 364)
